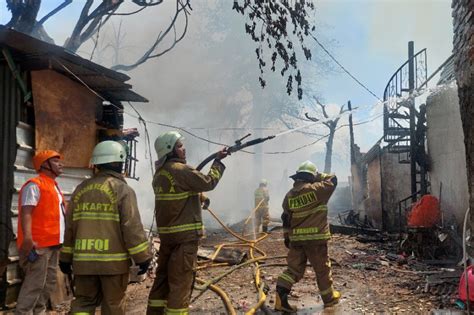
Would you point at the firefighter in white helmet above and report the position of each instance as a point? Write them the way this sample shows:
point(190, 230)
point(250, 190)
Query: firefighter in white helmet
point(306, 234)
point(103, 233)
point(177, 189)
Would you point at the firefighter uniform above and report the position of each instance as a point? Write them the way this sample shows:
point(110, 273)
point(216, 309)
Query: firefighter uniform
point(262, 217)
point(103, 231)
point(179, 223)
point(305, 221)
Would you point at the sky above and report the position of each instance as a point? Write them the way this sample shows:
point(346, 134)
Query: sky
point(187, 87)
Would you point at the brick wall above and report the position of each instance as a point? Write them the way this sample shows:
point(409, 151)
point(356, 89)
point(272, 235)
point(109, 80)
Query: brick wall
point(463, 48)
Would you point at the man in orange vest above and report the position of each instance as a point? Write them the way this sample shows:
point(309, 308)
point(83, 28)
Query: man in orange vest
point(40, 232)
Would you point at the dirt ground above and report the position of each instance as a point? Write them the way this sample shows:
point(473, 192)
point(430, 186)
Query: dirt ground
point(370, 276)
point(371, 282)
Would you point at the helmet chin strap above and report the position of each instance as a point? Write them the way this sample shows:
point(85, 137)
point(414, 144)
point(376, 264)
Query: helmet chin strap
point(50, 168)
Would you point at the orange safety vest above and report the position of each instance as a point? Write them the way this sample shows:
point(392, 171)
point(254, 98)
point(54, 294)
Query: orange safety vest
point(45, 218)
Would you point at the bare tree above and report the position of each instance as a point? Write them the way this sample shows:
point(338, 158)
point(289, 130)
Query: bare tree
point(278, 28)
point(25, 14)
point(331, 124)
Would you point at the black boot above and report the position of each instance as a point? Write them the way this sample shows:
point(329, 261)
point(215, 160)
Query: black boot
point(281, 300)
point(265, 228)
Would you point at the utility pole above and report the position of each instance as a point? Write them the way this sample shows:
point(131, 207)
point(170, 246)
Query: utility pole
point(351, 132)
point(353, 159)
point(411, 88)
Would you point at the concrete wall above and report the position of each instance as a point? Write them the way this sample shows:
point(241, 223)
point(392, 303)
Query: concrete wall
point(358, 187)
point(373, 204)
point(395, 179)
point(446, 148)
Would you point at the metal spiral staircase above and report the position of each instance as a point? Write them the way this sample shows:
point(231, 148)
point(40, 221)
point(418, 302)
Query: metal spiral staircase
point(404, 124)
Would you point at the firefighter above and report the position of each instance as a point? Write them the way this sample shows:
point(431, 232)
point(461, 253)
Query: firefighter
point(177, 189)
point(262, 216)
point(103, 232)
point(306, 234)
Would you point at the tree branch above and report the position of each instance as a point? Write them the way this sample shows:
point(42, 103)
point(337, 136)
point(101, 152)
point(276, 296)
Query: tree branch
point(180, 8)
point(53, 12)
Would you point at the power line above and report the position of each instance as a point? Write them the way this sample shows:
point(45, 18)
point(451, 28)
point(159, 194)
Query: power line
point(344, 69)
point(141, 119)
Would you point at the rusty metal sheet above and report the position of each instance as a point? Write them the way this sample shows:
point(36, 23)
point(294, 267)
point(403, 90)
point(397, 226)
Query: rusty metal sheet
point(65, 114)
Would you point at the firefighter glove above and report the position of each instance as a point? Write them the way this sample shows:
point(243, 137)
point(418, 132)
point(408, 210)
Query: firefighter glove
point(65, 267)
point(205, 201)
point(143, 267)
point(287, 240)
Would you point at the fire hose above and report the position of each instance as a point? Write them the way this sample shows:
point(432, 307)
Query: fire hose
point(246, 243)
point(262, 290)
point(234, 148)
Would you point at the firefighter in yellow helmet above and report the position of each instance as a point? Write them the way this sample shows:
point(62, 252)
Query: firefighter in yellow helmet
point(177, 189)
point(262, 217)
point(306, 233)
point(103, 233)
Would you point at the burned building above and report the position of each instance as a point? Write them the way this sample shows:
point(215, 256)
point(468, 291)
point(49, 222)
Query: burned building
point(423, 153)
point(50, 99)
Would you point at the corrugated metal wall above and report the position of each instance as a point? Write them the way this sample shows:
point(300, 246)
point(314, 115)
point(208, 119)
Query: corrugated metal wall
point(23, 171)
point(10, 102)
point(17, 149)
point(10, 106)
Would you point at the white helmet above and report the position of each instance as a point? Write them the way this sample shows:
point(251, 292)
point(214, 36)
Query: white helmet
point(165, 143)
point(263, 182)
point(108, 152)
point(307, 167)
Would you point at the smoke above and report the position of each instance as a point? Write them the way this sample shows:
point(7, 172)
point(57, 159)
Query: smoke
point(208, 84)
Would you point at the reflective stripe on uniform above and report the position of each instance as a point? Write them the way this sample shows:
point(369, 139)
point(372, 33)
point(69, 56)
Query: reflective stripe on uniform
point(139, 248)
point(303, 214)
point(81, 313)
point(96, 216)
point(157, 303)
point(177, 311)
point(214, 173)
point(310, 237)
point(100, 257)
point(177, 196)
point(302, 200)
point(66, 249)
point(286, 277)
point(180, 228)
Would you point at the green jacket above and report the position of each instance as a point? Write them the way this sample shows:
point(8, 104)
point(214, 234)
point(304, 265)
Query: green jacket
point(305, 210)
point(177, 203)
point(103, 227)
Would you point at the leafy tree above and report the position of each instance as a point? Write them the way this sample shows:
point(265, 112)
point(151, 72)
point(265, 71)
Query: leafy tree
point(269, 24)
